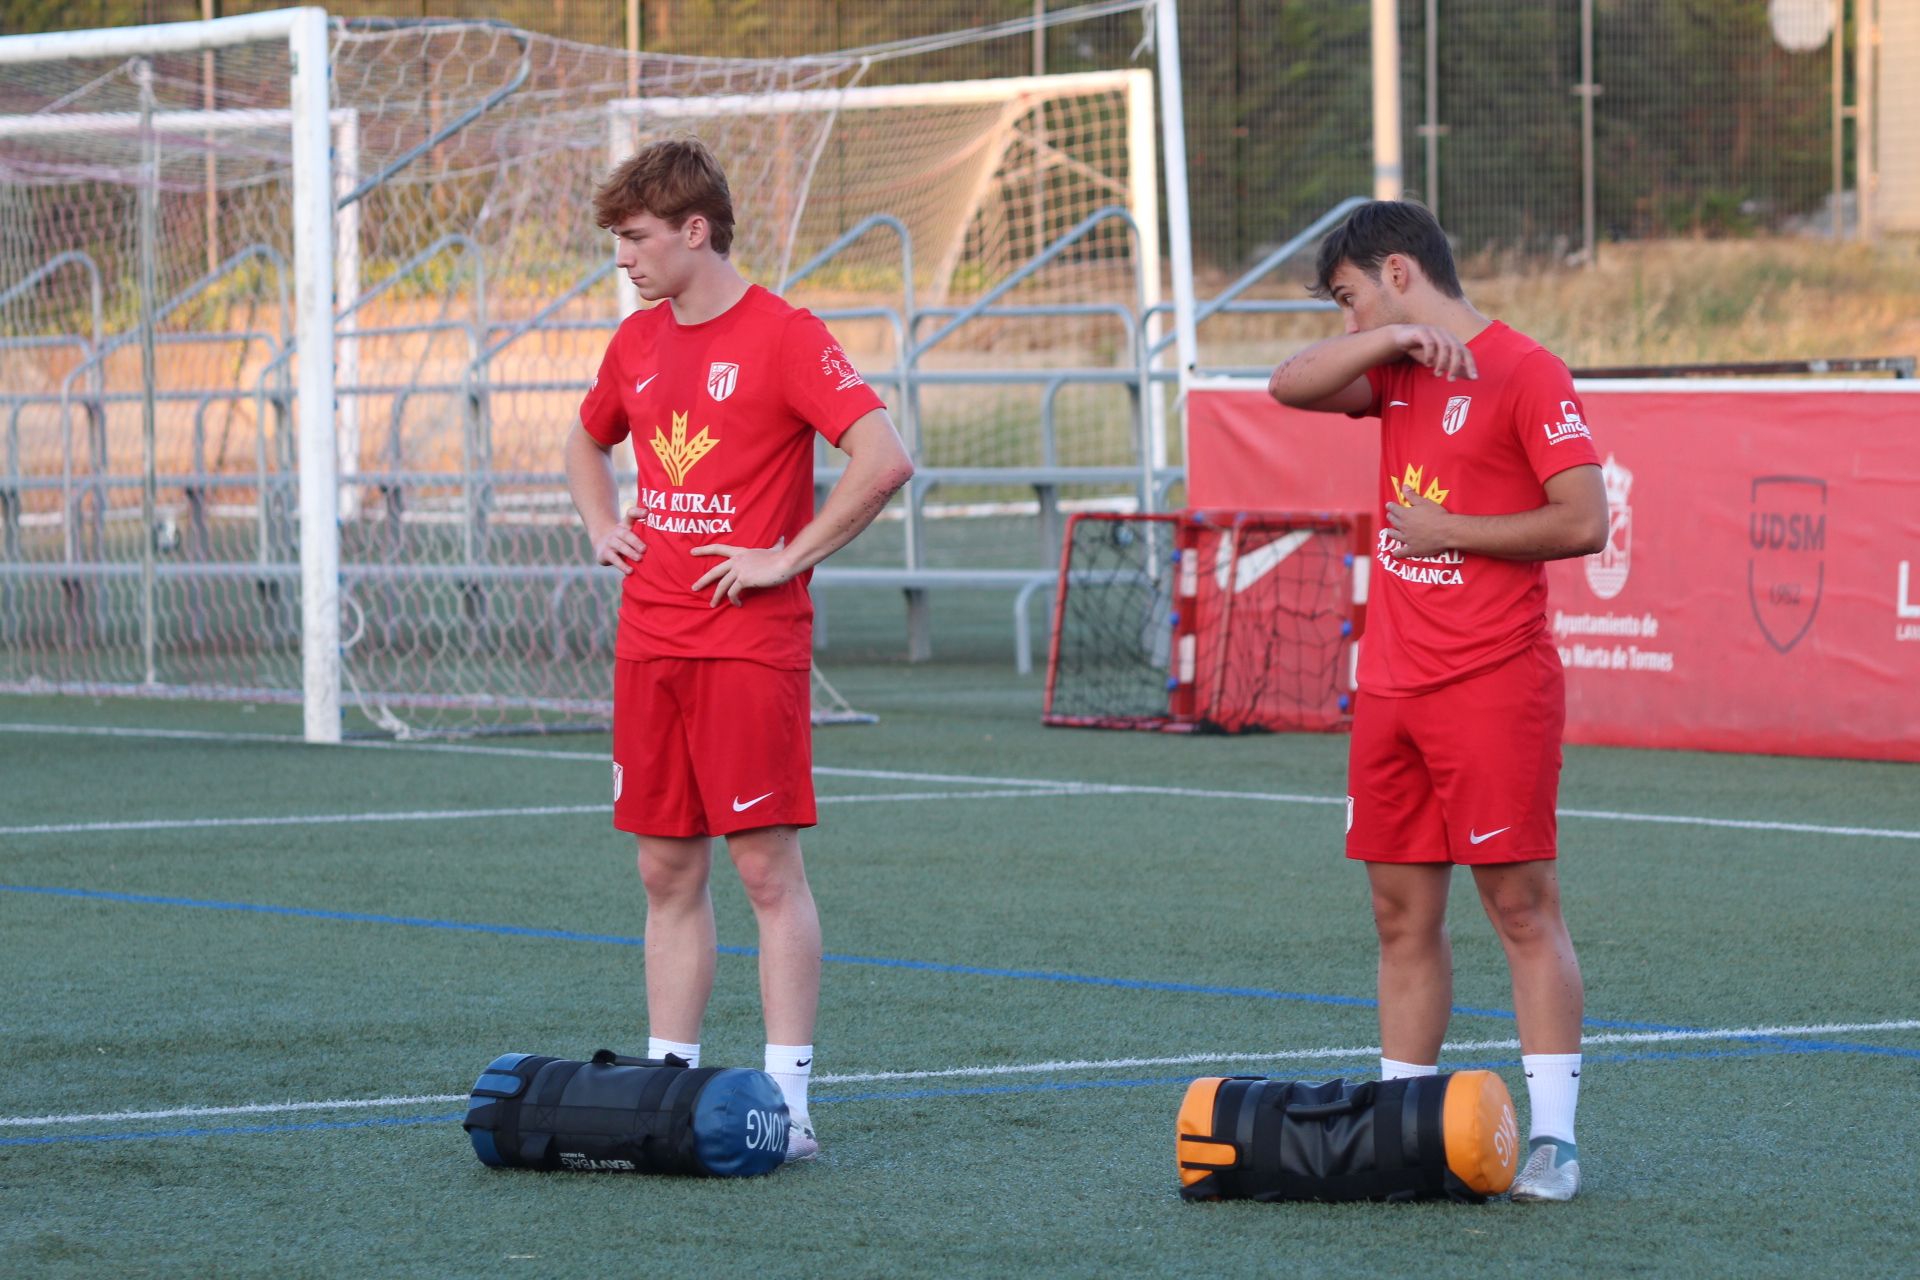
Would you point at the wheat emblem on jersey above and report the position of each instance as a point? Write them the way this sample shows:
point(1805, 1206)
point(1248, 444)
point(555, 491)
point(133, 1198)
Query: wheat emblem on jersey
point(679, 454)
point(1415, 477)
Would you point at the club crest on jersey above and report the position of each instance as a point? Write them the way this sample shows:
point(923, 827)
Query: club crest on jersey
point(1456, 414)
point(721, 378)
point(679, 454)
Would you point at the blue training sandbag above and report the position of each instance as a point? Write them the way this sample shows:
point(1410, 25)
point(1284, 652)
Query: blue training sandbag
point(614, 1114)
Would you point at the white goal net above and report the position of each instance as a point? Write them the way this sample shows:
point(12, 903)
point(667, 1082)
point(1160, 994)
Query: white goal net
point(155, 376)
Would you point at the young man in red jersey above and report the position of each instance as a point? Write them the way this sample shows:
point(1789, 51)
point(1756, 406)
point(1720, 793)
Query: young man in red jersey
point(723, 385)
point(1487, 470)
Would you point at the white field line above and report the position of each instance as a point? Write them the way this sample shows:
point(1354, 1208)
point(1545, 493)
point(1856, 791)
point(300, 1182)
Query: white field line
point(456, 815)
point(1040, 786)
point(1025, 1068)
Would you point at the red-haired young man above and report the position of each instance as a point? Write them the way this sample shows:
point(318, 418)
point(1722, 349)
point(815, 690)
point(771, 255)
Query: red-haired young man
point(1487, 470)
point(722, 386)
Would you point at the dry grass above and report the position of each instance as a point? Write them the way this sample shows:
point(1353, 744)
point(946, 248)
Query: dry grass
point(1670, 302)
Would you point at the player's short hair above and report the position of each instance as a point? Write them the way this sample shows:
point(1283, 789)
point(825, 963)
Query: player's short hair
point(672, 179)
point(1381, 227)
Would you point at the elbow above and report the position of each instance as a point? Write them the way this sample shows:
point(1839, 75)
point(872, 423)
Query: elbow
point(1278, 389)
point(899, 474)
point(1593, 536)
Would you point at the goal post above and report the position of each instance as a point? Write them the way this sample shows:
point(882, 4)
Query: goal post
point(295, 441)
point(1195, 622)
point(304, 34)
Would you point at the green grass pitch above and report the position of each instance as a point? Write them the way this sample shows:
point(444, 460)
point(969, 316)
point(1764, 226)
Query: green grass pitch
point(245, 925)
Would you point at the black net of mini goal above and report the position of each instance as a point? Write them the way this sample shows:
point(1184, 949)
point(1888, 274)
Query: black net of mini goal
point(1192, 623)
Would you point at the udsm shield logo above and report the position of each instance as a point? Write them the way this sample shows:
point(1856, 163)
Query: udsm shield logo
point(1787, 532)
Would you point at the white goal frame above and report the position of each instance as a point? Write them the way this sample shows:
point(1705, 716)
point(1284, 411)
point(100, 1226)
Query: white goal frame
point(306, 32)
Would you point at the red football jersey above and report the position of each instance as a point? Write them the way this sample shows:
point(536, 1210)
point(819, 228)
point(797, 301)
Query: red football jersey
point(723, 415)
point(1478, 448)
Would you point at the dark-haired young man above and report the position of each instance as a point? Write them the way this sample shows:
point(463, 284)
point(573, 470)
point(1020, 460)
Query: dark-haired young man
point(724, 386)
point(1487, 470)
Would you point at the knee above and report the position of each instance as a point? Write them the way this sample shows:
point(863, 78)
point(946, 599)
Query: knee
point(1522, 918)
point(672, 882)
point(770, 875)
point(1401, 924)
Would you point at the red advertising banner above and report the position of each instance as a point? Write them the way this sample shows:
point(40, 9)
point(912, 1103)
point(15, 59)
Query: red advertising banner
point(1760, 590)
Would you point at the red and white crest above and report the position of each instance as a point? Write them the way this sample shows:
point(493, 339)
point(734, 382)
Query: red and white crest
point(721, 378)
point(1456, 415)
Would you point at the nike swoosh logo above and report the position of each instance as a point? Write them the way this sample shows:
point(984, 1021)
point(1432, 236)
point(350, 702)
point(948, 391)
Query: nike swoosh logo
point(742, 808)
point(1482, 839)
point(804, 1061)
point(1398, 404)
point(638, 387)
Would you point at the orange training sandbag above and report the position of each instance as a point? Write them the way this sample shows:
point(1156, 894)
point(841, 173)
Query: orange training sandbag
point(1247, 1138)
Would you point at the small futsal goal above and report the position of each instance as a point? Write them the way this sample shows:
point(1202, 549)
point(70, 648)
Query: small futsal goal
point(1189, 622)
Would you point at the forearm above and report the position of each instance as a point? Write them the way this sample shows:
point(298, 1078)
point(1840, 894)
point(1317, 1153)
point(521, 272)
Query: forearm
point(859, 496)
point(1557, 531)
point(1331, 365)
point(590, 484)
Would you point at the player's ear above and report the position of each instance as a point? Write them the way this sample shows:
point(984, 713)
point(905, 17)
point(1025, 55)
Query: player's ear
point(697, 230)
point(1396, 272)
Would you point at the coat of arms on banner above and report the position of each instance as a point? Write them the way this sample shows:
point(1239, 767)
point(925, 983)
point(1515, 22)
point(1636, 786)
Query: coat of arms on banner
point(721, 378)
point(1607, 569)
point(1456, 414)
point(1787, 533)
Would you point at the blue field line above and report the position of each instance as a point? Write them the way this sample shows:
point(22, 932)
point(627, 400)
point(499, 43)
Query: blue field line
point(569, 935)
point(1363, 1068)
point(232, 1130)
point(881, 962)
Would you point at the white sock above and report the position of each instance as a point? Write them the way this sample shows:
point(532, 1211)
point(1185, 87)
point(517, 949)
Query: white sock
point(1391, 1069)
point(791, 1066)
point(1553, 1091)
point(658, 1048)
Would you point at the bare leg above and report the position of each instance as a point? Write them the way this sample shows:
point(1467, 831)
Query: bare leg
point(768, 859)
point(1523, 901)
point(1416, 957)
point(680, 934)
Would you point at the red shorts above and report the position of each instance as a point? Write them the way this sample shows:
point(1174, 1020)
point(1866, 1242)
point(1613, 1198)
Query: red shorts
point(709, 746)
point(1467, 773)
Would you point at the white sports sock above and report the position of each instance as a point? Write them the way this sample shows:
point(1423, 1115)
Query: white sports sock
point(658, 1048)
point(791, 1066)
point(1391, 1069)
point(1553, 1091)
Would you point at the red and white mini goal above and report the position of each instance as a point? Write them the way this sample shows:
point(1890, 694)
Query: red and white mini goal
point(1201, 621)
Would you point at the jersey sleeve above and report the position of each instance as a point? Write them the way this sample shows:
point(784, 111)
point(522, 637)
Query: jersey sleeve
point(602, 414)
point(1547, 414)
point(1380, 378)
point(822, 387)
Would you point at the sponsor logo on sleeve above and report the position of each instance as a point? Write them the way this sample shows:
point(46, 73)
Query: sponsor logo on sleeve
point(1607, 569)
point(837, 368)
point(1787, 535)
point(1570, 427)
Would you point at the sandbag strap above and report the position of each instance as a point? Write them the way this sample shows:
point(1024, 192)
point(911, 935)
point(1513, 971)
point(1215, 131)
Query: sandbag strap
point(507, 1111)
point(537, 1110)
